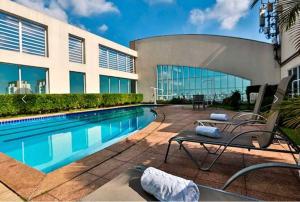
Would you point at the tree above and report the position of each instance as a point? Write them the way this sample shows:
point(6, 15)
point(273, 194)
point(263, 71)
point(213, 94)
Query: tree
point(288, 12)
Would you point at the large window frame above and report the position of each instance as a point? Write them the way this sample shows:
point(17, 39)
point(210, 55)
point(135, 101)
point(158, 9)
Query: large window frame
point(131, 88)
point(20, 75)
point(32, 36)
point(84, 82)
point(112, 59)
point(186, 81)
point(76, 56)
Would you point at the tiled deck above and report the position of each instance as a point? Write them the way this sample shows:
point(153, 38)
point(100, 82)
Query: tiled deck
point(148, 147)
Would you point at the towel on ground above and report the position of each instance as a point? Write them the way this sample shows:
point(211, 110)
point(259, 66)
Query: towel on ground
point(208, 131)
point(167, 187)
point(219, 117)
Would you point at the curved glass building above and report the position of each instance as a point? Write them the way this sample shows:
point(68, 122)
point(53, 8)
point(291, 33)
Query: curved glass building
point(182, 81)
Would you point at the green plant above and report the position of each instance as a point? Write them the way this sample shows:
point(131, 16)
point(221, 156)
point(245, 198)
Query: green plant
point(234, 100)
point(290, 113)
point(39, 104)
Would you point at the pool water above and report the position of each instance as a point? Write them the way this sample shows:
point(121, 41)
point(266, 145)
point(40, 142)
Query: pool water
point(50, 143)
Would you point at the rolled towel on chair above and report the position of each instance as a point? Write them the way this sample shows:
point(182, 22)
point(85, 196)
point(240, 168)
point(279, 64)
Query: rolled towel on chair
point(167, 187)
point(219, 117)
point(208, 131)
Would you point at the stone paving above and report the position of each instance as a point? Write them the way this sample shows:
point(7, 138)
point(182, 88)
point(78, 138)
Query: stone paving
point(148, 147)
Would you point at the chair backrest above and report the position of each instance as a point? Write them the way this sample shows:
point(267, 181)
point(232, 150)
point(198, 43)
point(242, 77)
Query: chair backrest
point(198, 98)
point(260, 98)
point(266, 139)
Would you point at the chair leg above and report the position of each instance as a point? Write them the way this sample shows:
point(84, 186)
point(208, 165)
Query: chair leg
point(167, 153)
point(191, 156)
point(214, 161)
point(200, 165)
point(215, 152)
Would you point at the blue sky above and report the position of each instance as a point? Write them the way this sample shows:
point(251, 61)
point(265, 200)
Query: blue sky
point(126, 20)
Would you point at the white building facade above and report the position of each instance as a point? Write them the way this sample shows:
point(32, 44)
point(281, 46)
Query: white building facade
point(40, 54)
point(45, 53)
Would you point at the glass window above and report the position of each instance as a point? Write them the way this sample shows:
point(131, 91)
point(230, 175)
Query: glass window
point(159, 72)
point(124, 83)
point(192, 83)
point(180, 81)
point(180, 72)
point(239, 82)
point(186, 72)
point(175, 73)
point(77, 82)
point(104, 84)
point(76, 49)
point(197, 72)
point(192, 73)
point(103, 57)
point(113, 59)
point(33, 38)
point(33, 80)
point(9, 32)
point(9, 79)
point(114, 85)
point(132, 88)
point(231, 81)
point(16, 79)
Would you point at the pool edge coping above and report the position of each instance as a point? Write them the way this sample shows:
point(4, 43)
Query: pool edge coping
point(36, 177)
point(4, 120)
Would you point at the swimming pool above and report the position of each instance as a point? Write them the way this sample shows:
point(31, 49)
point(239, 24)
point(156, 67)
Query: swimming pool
point(47, 144)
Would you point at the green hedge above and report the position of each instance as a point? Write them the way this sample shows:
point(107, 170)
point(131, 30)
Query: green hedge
point(38, 104)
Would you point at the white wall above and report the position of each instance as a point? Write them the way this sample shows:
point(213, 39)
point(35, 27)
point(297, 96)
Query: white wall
point(288, 50)
point(58, 60)
point(244, 58)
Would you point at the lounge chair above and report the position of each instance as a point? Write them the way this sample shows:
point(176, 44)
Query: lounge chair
point(265, 137)
point(127, 187)
point(241, 116)
point(198, 100)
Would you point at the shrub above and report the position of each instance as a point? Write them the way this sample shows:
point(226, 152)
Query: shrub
point(234, 100)
point(47, 103)
point(290, 113)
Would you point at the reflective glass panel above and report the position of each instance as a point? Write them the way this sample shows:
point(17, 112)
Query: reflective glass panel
point(33, 80)
point(182, 81)
point(77, 82)
point(124, 86)
point(104, 84)
point(9, 78)
point(114, 85)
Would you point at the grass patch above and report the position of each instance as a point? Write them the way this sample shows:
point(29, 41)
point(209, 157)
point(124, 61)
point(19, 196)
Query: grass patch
point(294, 134)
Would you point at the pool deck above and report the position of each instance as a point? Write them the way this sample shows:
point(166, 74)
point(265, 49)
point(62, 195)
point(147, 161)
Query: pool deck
point(148, 147)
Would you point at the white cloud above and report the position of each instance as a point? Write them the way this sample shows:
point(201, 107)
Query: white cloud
point(226, 12)
point(57, 8)
point(152, 2)
point(103, 28)
point(89, 7)
point(52, 8)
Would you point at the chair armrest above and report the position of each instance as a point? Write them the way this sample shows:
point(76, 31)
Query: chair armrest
point(249, 169)
point(247, 122)
point(240, 115)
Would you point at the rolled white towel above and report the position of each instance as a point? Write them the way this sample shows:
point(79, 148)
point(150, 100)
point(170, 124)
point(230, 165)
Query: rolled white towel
point(208, 131)
point(167, 187)
point(219, 117)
